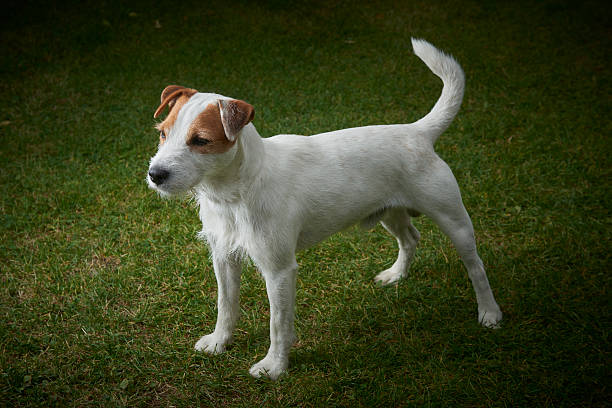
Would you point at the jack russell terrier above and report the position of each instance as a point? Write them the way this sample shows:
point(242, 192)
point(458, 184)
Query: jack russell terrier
point(269, 198)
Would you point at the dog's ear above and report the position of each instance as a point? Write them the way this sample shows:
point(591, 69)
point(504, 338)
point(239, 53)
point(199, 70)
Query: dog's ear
point(235, 115)
point(169, 96)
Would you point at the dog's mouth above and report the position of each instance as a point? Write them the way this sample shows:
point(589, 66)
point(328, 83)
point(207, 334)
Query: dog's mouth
point(158, 180)
point(166, 185)
point(163, 193)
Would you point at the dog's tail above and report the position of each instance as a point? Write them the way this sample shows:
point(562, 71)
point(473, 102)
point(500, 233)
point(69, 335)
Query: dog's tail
point(449, 70)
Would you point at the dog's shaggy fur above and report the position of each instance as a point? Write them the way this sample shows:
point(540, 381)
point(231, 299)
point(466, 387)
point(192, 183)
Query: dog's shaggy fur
point(268, 198)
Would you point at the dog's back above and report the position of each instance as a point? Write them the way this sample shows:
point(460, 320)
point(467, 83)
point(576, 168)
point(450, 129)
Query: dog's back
point(358, 172)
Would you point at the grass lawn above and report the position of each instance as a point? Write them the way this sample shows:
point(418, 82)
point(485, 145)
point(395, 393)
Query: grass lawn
point(104, 288)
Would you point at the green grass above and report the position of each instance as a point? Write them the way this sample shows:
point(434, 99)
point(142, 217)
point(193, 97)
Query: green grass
point(104, 288)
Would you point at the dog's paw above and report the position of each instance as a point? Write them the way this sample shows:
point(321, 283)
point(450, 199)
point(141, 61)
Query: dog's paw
point(212, 344)
point(271, 368)
point(390, 276)
point(490, 318)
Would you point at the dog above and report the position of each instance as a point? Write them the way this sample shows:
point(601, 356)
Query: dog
point(268, 198)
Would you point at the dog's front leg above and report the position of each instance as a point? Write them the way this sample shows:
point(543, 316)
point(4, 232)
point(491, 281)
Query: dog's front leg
point(227, 272)
point(280, 285)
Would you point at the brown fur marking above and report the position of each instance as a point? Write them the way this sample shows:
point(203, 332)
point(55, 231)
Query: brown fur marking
point(208, 126)
point(169, 96)
point(170, 89)
point(173, 96)
point(236, 115)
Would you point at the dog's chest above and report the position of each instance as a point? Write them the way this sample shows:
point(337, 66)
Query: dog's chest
point(228, 227)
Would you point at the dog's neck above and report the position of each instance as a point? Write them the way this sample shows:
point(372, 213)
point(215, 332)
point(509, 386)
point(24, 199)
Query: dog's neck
point(241, 175)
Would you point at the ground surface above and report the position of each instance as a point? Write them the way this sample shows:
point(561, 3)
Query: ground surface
point(104, 288)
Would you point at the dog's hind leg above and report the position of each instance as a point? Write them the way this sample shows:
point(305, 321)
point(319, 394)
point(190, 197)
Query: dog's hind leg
point(446, 209)
point(397, 222)
point(459, 229)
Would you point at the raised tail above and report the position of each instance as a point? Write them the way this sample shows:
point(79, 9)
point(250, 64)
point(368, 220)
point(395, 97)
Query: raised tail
point(444, 66)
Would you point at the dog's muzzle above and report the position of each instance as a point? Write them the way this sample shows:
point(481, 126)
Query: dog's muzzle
point(158, 175)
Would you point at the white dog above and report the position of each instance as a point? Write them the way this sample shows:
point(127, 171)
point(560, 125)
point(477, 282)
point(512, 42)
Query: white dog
point(268, 198)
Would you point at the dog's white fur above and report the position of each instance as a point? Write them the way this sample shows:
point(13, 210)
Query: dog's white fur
point(268, 198)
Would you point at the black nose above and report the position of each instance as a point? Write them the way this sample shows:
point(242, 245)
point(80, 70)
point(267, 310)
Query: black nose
point(157, 175)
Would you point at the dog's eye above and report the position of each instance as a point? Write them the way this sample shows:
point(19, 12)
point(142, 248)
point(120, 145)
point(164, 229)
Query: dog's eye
point(162, 136)
point(199, 141)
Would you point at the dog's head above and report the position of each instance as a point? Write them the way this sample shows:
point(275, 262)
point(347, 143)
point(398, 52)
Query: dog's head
point(197, 139)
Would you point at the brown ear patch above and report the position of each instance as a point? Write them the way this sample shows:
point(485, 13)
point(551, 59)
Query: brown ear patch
point(174, 97)
point(235, 115)
point(170, 95)
point(170, 89)
point(206, 134)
